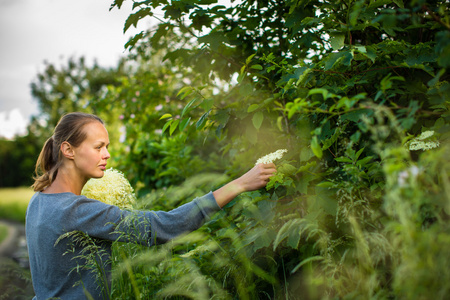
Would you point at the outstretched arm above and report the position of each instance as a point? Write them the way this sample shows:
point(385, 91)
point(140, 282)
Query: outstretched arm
point(254, 179)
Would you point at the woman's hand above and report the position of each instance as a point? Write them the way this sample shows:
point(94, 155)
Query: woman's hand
point(254, 179)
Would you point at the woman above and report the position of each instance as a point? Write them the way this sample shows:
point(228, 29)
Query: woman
point(78, 151)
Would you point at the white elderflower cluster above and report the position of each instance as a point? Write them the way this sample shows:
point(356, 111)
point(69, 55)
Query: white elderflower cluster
point(425, 141)
point(269, 158)
point(424, 135)
point(113, 188)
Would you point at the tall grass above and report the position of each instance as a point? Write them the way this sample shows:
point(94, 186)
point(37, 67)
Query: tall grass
point(14, 202)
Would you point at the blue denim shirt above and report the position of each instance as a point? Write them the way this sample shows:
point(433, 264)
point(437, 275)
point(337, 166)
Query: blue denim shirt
point(51, 215)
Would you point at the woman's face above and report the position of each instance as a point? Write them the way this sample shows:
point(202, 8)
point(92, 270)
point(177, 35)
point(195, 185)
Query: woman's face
point(91, 156)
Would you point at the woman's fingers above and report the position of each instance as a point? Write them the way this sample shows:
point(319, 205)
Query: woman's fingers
point(257, 177)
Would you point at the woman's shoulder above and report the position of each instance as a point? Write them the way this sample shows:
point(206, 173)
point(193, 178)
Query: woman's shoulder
point(58, 198)
point(66, 203)
point(64, 195)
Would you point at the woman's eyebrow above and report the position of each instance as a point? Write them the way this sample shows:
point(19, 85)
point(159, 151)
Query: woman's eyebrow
point(102, 143)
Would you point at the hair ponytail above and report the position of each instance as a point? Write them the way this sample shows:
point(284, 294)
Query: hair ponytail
point(69, 129)
point(44, 165)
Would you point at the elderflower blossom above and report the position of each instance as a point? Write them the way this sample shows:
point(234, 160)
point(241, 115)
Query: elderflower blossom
point(424, 135)
point(113, 188)
point(269, 158)
point(423, 141)
point(421, 145)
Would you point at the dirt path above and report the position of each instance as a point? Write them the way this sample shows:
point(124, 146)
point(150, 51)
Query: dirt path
point(15, 246)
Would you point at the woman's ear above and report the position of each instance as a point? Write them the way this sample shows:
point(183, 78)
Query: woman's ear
point(67, 150)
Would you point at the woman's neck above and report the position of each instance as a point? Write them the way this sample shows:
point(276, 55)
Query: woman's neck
point(64, 182)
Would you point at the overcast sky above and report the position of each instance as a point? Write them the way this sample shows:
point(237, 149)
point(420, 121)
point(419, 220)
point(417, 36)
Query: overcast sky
point(32, 32)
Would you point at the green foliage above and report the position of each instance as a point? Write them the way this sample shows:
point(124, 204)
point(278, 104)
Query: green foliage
point(92, 257)
point(343, 86)
point(15, 282)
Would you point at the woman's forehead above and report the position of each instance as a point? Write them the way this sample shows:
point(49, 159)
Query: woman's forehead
point(96, 131)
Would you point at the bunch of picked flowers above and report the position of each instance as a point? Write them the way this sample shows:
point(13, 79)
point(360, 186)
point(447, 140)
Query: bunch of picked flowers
point(269, 158)
point(425, 141)
point(113, 188)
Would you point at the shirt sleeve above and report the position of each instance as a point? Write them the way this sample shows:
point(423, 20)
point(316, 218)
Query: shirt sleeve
point(186, 218)
point(144, 227)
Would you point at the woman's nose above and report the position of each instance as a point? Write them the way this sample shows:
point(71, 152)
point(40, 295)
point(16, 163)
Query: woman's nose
point(106, 154)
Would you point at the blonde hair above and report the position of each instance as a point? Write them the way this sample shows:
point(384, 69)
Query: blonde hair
point(69, 129)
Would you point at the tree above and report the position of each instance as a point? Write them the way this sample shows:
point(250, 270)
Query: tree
point(73, 87)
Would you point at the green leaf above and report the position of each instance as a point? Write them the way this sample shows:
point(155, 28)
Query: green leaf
point(214, 39)
point(240, 77)
point(166, 125)
point(324, 92)
point(249, 59)
point(359, 153)
point(132, 41)
point(184, 123)
point(133, 19)
point(256, 67)
point(280, 123)
point(343, 159)
point(364, 160)
point(185, 91)
point(292, 227)
point(315, 147)
point(355, 116)
point(263, 240)
point(186, 108)
point(207, 104)
point(331, 59)
point(202, 121)
point(337, 40)
point(258, 119)
point(173, 126)
point(399, 3)
point(326, 184)
point(305, 261)
point(139, 3)
point(165, 116)
point(287, 169)
point(117, 3)
point(252, 108)
point(327, 143)
point(367, 51)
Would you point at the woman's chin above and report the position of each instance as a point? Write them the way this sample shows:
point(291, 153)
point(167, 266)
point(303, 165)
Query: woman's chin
point(99, 174)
